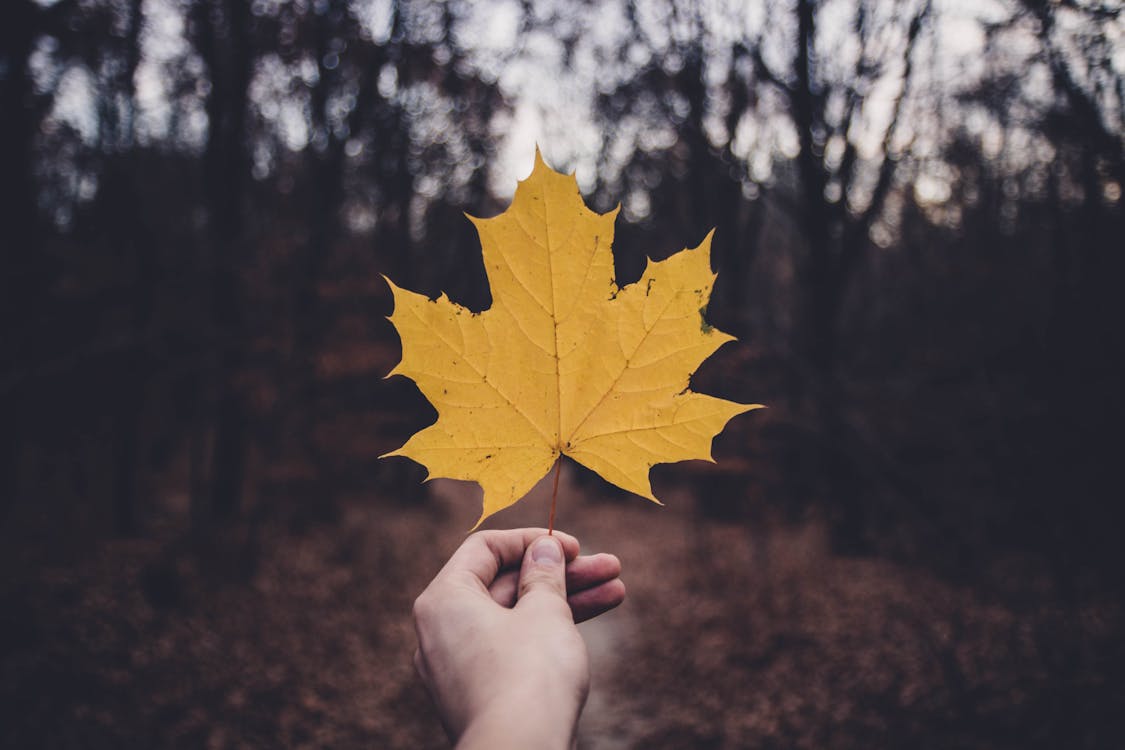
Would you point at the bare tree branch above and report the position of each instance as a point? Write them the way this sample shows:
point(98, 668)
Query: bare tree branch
point(856, 235)
point(763, 71)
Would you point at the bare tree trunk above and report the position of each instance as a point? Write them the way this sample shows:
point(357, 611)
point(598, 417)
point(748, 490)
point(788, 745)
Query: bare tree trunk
point(17, 136)
point(127, 234)
point(225, 46)
point(21, 284)
point(821, 294)
point(325, 175)
point(816, 334)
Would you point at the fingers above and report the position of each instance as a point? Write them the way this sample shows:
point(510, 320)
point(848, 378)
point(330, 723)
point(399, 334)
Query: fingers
point(593, 585)
point(484, 554)
point(584, 573)
point(543, 575)
point(590, 570)
point(590, 603)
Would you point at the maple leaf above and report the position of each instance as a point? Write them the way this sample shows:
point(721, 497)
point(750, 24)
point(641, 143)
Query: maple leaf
point(564, 362)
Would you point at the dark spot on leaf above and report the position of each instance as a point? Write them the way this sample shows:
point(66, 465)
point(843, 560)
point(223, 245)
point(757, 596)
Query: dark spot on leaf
point(649, 287)
point(704, 326)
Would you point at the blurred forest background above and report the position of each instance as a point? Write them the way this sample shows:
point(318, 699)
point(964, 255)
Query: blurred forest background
point(919, 245)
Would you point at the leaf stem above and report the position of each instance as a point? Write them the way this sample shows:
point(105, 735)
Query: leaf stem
point(554, 496)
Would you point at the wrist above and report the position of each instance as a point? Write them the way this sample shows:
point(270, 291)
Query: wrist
point(522, 721)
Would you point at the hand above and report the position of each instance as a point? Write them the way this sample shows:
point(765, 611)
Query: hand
point(498, 647)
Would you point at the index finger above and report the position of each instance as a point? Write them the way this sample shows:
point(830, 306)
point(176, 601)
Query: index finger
point(484, 554)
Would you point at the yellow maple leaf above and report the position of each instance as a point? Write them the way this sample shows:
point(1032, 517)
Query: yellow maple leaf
point(564, 362)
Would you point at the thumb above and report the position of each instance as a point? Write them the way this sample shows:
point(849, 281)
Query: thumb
point(544, 571)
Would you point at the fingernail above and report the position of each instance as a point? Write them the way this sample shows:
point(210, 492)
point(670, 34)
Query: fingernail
point(546, 550)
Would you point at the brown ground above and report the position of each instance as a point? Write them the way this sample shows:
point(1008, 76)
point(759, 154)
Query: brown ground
point(733, 635)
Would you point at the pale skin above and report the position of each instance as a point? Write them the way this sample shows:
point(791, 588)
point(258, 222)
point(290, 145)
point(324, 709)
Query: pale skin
point(498, 648)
